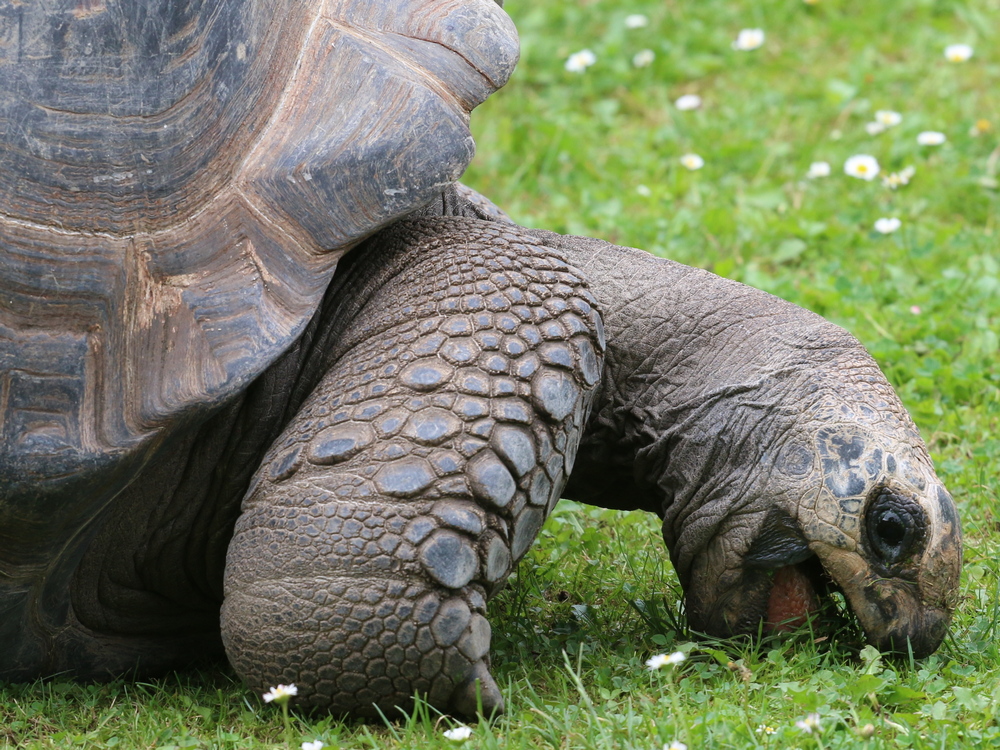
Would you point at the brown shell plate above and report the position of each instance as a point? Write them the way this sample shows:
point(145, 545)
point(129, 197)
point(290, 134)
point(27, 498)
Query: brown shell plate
point(177, 181)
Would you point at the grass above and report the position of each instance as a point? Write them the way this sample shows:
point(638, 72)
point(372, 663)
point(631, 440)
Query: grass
point(597, 153)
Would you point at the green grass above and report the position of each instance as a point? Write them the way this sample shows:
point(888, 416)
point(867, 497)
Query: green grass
point(595, 597)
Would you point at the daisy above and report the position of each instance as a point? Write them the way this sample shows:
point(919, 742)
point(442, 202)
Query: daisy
point(315, 745)
point(898, 179)
point(979, 127)
point(692, 162)
point(688, 101)
point(957, 52)
point(280, 694)
point(665, 660)
point(862, 166)
point(874, 128)
point(749, 39)
point(931, 138)
point(885, 225)
point(765, 729)
point(578, 62)
point(643, 58)
point(636, 21)
point(809, 724)
point(458, 734)
point(888, 118)
point(675, 745)
point(818, 169)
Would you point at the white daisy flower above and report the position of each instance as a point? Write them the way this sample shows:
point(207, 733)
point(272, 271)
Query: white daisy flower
point(655, 662)
point(458, 734)
point(862, 166)
point(314, 745)
point(898, 179)
point(578, 62)
point(809, 724)
point(643, 58)
point(748, 39)
point(888, 118)
point(979, 127)
point(280, 693)
point(931, 138)
point(766, 729)
point(636, 21)
point(957, 52)
point(818, 169)
point(676, 658)
point(665, 660)
point(885, 225)
point(692, 162)
point(688, 101)
point(874, 128)
point(675, 745)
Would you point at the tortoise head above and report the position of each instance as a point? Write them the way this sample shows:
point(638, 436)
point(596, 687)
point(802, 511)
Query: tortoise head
point(780, 459)
point(845, 499)
point(887, 533)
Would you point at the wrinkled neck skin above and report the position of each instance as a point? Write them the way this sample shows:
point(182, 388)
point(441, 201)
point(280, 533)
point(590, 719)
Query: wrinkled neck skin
point(763, 436)
point(703, 375)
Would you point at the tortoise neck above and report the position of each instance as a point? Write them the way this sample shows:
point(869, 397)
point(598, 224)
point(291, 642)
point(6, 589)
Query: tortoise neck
point(703, 376)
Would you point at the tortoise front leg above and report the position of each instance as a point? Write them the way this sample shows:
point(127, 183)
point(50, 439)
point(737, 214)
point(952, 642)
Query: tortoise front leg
point(416, 474)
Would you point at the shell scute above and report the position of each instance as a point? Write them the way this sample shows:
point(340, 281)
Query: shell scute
point(184, 178)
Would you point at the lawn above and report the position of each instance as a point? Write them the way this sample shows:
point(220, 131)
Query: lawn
point(600, 151)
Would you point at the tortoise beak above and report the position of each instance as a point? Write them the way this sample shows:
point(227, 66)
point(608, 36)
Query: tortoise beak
point(909, 611)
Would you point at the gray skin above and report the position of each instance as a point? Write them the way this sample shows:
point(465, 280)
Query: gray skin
point(206, 407)
point(386, 474)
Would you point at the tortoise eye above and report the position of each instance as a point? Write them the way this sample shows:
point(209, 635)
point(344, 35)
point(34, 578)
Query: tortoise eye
point(891, 529)
point(894, 525)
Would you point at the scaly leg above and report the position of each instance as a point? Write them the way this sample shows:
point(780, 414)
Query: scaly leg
point(417, 473)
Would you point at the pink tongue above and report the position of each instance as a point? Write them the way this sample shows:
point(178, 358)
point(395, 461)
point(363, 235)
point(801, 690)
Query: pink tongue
point(792, 599)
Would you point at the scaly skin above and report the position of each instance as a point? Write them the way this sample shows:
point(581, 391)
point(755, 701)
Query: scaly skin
point(411, 443)
point(416, 474)
point(762, 435)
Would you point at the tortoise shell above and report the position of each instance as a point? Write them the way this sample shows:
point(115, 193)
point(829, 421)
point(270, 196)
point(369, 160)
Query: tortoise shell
point(178, 179)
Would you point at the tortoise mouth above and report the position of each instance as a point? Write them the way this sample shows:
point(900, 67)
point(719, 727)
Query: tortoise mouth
point(805, 593)
point(895, 614)
point(797, 593)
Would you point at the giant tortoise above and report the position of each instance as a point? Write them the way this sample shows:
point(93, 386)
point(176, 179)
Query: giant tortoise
point(274, 385)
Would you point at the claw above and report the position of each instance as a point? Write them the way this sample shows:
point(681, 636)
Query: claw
point(477, 694)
